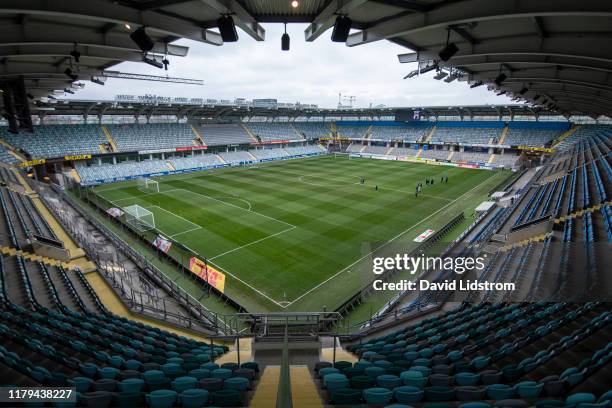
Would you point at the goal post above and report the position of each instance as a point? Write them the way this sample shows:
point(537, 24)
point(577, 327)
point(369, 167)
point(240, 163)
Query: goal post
point(139, 218)
point(148, 185)
point(342, 155)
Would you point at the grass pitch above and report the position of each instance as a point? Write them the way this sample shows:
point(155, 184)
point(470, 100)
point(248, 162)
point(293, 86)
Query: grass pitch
point(296, 235)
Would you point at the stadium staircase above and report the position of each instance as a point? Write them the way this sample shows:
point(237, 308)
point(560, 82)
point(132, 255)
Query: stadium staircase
point(503, 135)
point(430, 135)
point(580, 213)
point(363, 148)
point(300, 136)
point(12, 151)
point(75, 175)
point(82, 264)
point(368, 132)
point(565, 135)
point(251, 155)
point(389, 150)
point(450, 155)
point(491, 159)
point(525, 242)
point(304, 392)
point(110, 139)
point(266, 391)
point(248, 131)
point(197, 135)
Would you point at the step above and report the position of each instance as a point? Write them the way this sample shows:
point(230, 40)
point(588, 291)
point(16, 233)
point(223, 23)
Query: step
point(265, 393)
point(304, 392)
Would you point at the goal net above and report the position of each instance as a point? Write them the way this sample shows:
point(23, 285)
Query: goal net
point(139, 217)
point(342, 155)
point(148, 185)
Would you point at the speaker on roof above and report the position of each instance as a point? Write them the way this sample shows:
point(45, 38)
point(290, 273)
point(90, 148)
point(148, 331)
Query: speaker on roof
point(342, 26)
point(142, 39)
point(448, 51)
point(227, 29)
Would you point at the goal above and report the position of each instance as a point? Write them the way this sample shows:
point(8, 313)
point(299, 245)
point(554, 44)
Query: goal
point(342, 155)
point(148, 185)
point(139, 218)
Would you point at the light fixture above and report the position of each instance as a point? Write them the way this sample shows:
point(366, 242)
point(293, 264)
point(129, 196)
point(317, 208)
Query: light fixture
point(440, 75)
point(500, 79)
point(341, 30)
point(412, 74)
point(476, 84)
point(70, 75)
point(166, 63)
point(142, 39)
point(451, 78)
point(68, 91)
point(127, 26)
point(449, 50)
point(97, 80)
point(429, 68)
point(295, 4)
point(152, 61)
point(285, 40)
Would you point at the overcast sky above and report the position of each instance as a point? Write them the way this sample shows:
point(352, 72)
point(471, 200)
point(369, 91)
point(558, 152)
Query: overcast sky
point(312, 72)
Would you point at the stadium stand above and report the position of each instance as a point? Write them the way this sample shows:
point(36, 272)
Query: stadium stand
point(223, 134)
point(474, 157)
point(534, 133)
point(50, 141)
point(120, 170)
point(196, 161)
point(409, 132)
point(435, 154)
point(237, 157)
point(450, 359)
point(479, 132)
point(7, 157)
point(376, 149)
point(273, 131)
point(312, 130)
point(352, 130)
point(152, 136)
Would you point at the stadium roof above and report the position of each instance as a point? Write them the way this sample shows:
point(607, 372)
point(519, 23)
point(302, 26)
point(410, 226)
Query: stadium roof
point(232, 111)
point(556, 51)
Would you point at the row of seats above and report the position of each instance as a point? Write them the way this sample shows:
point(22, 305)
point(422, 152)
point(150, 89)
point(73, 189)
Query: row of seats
point(20, 219)
point(152, 136)
point(466, 135)
point(147, 167)
point(404, 132)
point(6, 157)
point(473, 353)
point(58, 140)
point(273, 131)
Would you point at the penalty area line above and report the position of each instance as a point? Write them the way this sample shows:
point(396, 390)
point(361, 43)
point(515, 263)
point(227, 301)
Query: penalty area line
point(381, 246)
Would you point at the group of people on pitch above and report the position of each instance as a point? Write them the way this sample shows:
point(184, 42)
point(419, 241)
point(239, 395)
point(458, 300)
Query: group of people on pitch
point(429, 182)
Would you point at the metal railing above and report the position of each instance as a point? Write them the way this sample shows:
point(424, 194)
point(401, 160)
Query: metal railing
point(135, 299)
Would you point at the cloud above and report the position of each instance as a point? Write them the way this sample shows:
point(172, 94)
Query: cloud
point(310, 73)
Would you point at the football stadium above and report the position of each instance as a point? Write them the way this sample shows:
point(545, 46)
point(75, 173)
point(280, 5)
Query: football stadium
point(187, 249)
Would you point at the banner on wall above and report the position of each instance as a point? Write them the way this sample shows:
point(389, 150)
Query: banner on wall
point(163, 244)
point(207, 273)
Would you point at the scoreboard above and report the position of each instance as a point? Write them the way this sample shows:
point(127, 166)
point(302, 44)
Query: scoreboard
point(407, 115)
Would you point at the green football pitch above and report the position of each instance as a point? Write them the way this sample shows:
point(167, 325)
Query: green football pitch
point(296, 235)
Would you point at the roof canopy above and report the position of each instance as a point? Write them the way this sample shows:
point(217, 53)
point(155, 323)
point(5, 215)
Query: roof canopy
point(552, 52)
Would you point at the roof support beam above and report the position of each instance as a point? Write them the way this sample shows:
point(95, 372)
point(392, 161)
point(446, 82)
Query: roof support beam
point(474, 10)
point(103, 11)
point(242, 18)
point(326, 18)
point(47, 35)
point(565, 46)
